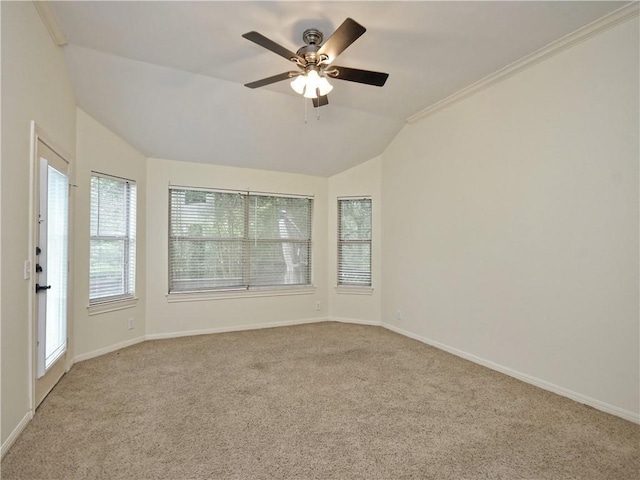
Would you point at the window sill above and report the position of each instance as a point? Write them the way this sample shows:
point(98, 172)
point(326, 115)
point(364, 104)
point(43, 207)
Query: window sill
point(228, 294)
point(112, 306)
point(355, 290)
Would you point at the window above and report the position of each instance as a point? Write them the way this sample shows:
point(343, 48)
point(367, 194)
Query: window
point(354, 242)
point(223, 240)
point(112, 263)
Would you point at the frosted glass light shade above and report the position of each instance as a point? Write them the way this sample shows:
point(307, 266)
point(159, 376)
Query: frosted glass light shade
point(325, 86)
point(299, 83)
point(313, 83)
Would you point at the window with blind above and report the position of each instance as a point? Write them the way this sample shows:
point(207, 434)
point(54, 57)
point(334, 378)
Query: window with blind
point(354, 242)
point(223, 240)
point(112, 263)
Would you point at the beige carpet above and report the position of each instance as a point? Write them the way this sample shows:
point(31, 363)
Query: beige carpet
point(321, 401)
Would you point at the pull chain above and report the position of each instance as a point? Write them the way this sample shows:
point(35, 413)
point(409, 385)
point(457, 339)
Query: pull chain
point(317, 109)
point(318, 103)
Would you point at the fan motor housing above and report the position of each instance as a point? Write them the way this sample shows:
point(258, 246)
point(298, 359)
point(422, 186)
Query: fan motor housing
point(309, 53)
point(313, 38)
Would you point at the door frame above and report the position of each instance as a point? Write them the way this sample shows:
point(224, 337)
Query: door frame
point(38, 134)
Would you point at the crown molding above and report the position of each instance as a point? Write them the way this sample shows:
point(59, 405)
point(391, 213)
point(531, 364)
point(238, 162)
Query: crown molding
point(594, 28)
point(50, 21)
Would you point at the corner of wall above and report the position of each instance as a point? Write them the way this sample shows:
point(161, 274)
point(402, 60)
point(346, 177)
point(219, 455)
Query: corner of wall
point(100, 150)
point(364, 179)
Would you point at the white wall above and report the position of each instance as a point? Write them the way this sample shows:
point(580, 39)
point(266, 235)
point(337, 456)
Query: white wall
point(100, 150)
point(364, 179)
point(165, 318)
point(35, 86)
point(511, 223)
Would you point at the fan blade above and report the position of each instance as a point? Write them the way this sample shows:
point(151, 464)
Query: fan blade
point(320, 101)
point(356, 75)
point(270, 80)
point(263, 41)
point(345, 35)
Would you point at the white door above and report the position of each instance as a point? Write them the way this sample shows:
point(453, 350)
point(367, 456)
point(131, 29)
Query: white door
point(52, 267)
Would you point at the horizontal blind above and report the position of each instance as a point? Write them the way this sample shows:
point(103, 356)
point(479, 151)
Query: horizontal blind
point(354, 241)
point(279, 240)
point(206, 240)
point(112, 262)
point(237, 240)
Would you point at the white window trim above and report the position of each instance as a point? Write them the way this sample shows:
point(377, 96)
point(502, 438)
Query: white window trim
point(120, 302)
point(244, 291)
point(354, 289)
point(112, 305)
point(178, 297)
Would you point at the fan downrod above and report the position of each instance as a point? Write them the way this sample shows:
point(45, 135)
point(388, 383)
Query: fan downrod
point(312, 36)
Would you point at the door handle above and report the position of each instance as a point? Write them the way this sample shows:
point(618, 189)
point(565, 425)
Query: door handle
point(42, 287)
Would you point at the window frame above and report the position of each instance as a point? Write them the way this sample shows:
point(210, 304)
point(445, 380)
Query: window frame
point(356, 288)
point(105, 303)
point(246, 289)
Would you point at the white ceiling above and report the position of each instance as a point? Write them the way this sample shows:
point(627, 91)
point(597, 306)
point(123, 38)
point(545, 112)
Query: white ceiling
point(168, 76)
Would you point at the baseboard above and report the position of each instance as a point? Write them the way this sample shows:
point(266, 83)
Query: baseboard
point(109, 349)
point(233, 328)
point(565, 392)
point(15, 434)
point(357, 321)
point(189, 333)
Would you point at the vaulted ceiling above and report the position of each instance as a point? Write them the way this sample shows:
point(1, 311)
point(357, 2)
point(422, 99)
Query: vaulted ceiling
point(169, 77)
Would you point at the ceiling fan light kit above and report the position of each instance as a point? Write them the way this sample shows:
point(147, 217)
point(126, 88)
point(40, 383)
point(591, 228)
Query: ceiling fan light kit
point(314, 62)
point(311, 85)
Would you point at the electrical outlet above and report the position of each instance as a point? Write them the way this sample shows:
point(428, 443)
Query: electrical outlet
point(131, 324)
point(398, 314)
point(318, 306)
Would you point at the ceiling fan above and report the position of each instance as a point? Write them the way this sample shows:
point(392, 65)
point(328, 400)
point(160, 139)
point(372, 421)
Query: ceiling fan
point(314, 62)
